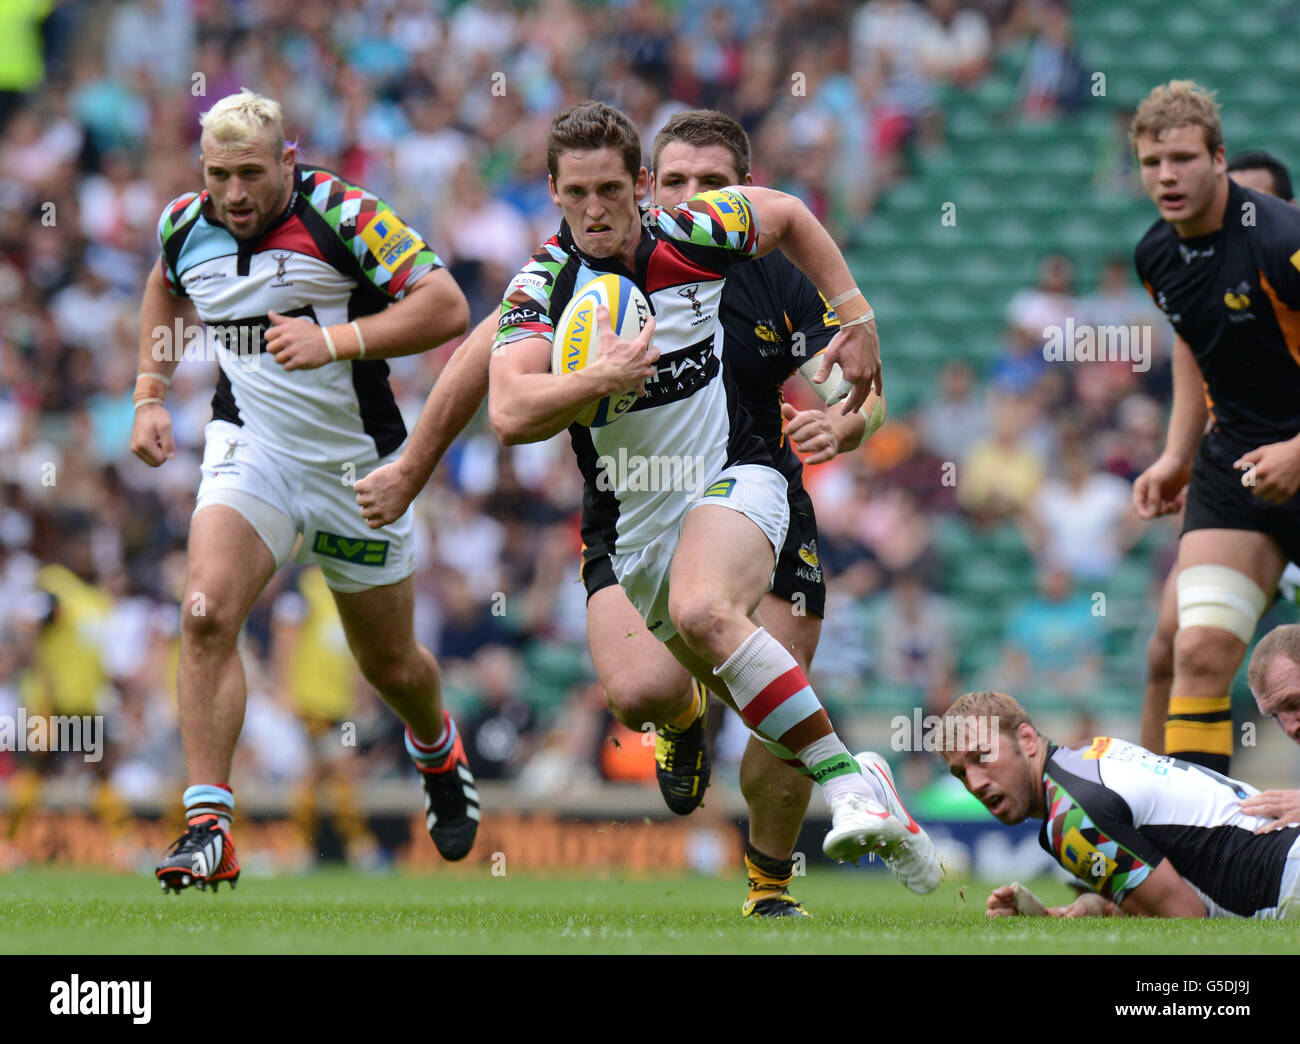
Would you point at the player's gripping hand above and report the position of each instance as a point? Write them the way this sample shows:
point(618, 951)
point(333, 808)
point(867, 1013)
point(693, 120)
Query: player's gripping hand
point(384, 495)
point(621, 365)
point(296, 344)
point(1272, 472)
point(812, 433)
point(1087, 905)
point(1162, 488)
point(151, 435)
point(857, 350)
point(1002, 902)
point(1281, 806)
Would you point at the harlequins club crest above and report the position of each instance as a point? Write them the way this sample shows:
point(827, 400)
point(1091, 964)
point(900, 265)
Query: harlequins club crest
point(281, 259)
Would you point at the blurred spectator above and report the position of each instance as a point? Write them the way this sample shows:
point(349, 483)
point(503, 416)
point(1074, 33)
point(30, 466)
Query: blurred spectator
point(1080, 520)
point(498, 734)
point(1054, 81)
point(469, 624)
point(956, 419)
point(914, 640)
point(1115, 170)
point(955, 43)
point(1001, 473)
point(1138, 439)
point(22, 61)
point(889, 35)
point(1053, 640)
point(1048, 302)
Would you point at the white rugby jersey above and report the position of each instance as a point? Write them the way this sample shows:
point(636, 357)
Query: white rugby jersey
point(1115, 811)
point(337, 253)
point(644, 468)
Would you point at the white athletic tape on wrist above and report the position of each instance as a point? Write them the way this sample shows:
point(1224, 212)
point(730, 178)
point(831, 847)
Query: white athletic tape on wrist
point(361, 341)
point(835, 302)
point(862, 320)
point(832, 390)
point(150, 400)
point(166, 381)
point(1220, 597)
point(329, 343)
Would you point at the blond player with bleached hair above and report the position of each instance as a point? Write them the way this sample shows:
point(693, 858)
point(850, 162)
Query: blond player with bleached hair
point(306, 285)
point(1144, 834)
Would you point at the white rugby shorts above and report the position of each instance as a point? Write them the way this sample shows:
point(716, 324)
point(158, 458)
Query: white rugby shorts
point(320, 503)
point(758, 492)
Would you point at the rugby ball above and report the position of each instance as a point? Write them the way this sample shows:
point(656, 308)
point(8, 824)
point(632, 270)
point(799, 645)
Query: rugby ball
point(576, 344)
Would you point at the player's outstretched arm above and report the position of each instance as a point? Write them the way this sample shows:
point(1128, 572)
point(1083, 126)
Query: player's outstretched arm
point(151, 433)
point(1164, 894)
point(783, 221)
point(1160, 489)
point(384, 495)
point(528, 403)
point(431, 311)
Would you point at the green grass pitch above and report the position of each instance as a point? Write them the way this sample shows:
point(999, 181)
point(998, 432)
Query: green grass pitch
point(67, 912)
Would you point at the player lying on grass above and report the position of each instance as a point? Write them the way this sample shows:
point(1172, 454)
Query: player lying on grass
point(1274, 677)
point(311, 283)
point(695, 559)
point(1263, 173)
point(1147, 835)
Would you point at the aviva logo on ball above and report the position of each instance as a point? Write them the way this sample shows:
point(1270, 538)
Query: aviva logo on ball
point(577, 340)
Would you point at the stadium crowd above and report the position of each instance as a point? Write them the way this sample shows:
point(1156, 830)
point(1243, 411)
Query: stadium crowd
point(443, 114)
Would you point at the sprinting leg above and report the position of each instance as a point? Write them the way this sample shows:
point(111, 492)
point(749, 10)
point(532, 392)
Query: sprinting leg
point(776, 793)
point(720, 570)
point(380, 626)
point(228, 565)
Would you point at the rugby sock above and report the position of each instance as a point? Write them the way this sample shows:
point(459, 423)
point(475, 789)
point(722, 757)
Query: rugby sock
point(776, 701)
point(767, 875)
point(431, 757)
point(1200, 731)
point(210, 800)
point(687, 718)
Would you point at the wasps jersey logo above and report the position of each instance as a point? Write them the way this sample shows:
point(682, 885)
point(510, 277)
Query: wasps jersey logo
point(765, 330)
point(1238, 300)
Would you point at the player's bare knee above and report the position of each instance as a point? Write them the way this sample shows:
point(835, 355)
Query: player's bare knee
point(700, 619)
point(635, 701)
point(1160, 657)
point(208, 623)
point(392, 675)
point(1206, 653)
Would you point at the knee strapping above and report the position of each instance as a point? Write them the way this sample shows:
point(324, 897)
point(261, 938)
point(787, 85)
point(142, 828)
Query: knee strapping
point(1221, 597)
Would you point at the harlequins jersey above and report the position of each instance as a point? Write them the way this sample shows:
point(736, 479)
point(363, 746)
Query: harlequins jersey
point(690, 416)
point(336, 253)
point(1115, 811)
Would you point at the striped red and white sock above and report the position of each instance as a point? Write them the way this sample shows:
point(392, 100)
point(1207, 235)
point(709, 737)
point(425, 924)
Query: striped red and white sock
point(432, 757)
point(776, 701)
point(210, 800)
